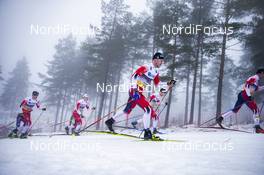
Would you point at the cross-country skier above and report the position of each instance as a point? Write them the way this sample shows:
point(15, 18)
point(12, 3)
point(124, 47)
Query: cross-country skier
point(155, 100)
point(23, 120)
point(246, 97)
point(141, 78)
point(77, 115)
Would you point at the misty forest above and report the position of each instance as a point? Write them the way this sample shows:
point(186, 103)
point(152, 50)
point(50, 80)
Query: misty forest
point(209, 74)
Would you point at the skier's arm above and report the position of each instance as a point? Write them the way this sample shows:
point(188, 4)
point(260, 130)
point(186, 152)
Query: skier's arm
point(23, 105)
point(38, 106)
point(250, 89)
point(139, 72)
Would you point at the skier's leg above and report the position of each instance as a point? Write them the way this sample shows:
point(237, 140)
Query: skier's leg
point(78, 127)
point(240, 101)
point(129, 107)
point(22, 122)
point(254, 108)
point(155, 120)
point(14, 132)
point(146, 117)
point(69, 127)
point(77, 122)
point(144, 104)
point(25, 127)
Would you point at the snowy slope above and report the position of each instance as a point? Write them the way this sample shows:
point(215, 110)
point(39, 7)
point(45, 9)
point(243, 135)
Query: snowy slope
point(212, 152)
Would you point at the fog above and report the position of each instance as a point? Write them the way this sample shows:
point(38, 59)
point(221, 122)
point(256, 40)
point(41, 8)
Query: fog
point(20, 20)
point(17, 40)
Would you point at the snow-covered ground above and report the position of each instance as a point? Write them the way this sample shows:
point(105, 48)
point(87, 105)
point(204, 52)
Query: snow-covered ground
point(198, 151)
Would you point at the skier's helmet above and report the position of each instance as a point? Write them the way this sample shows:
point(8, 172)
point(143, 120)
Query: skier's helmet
point(85, 96)
point(35, 93)
point(158, 55)
point(260, 71)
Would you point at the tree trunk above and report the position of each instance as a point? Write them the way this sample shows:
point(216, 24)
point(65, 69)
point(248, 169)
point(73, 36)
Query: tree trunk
point(187, 96)
point(63, 109)
point(102, 99)
point(194, 81)
point(166, 124)
point(222, 65)
point(66, 113)
point(58, 106)
point(96, 106)
point(117, 92)
point(200, 86)
point(110, 102)
point(104, 108)
point(198, 46)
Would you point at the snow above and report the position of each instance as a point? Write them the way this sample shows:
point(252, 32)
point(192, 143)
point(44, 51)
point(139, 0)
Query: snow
point(196, 152)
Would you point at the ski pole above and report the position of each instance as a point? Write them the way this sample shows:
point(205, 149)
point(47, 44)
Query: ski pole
point(58, 123)
point(134, 117)
point(141, 133)
point(99, 119)
point(162, 109)
point(170, 88)
point(86, 119)
point(220, 114)
point(30, 128)
point(7, 126)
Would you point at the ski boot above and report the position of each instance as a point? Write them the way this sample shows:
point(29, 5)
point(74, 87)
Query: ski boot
point(23, 136)
point(259, 130)
point(155, 131)
point(219, 121)
point(134, 124)
point(75, 133)
point(13, 134)
point(147, 134)
point(67, 130)
point(109, 123)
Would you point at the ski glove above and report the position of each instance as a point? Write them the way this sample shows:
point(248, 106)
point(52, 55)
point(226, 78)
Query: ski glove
point(171, 82)
point(93, 108)
point(44, 109)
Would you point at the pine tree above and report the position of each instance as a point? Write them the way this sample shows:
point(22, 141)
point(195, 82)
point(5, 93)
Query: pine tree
point(169, 12)
point(16, 87)
point(63, 78)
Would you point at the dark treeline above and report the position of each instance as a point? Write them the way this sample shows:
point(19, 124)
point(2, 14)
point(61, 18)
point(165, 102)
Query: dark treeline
point(202, 63)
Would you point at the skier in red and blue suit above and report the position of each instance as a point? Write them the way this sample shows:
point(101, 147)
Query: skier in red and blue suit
point(23, 121)
point(246, 97)
point(141, 78)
